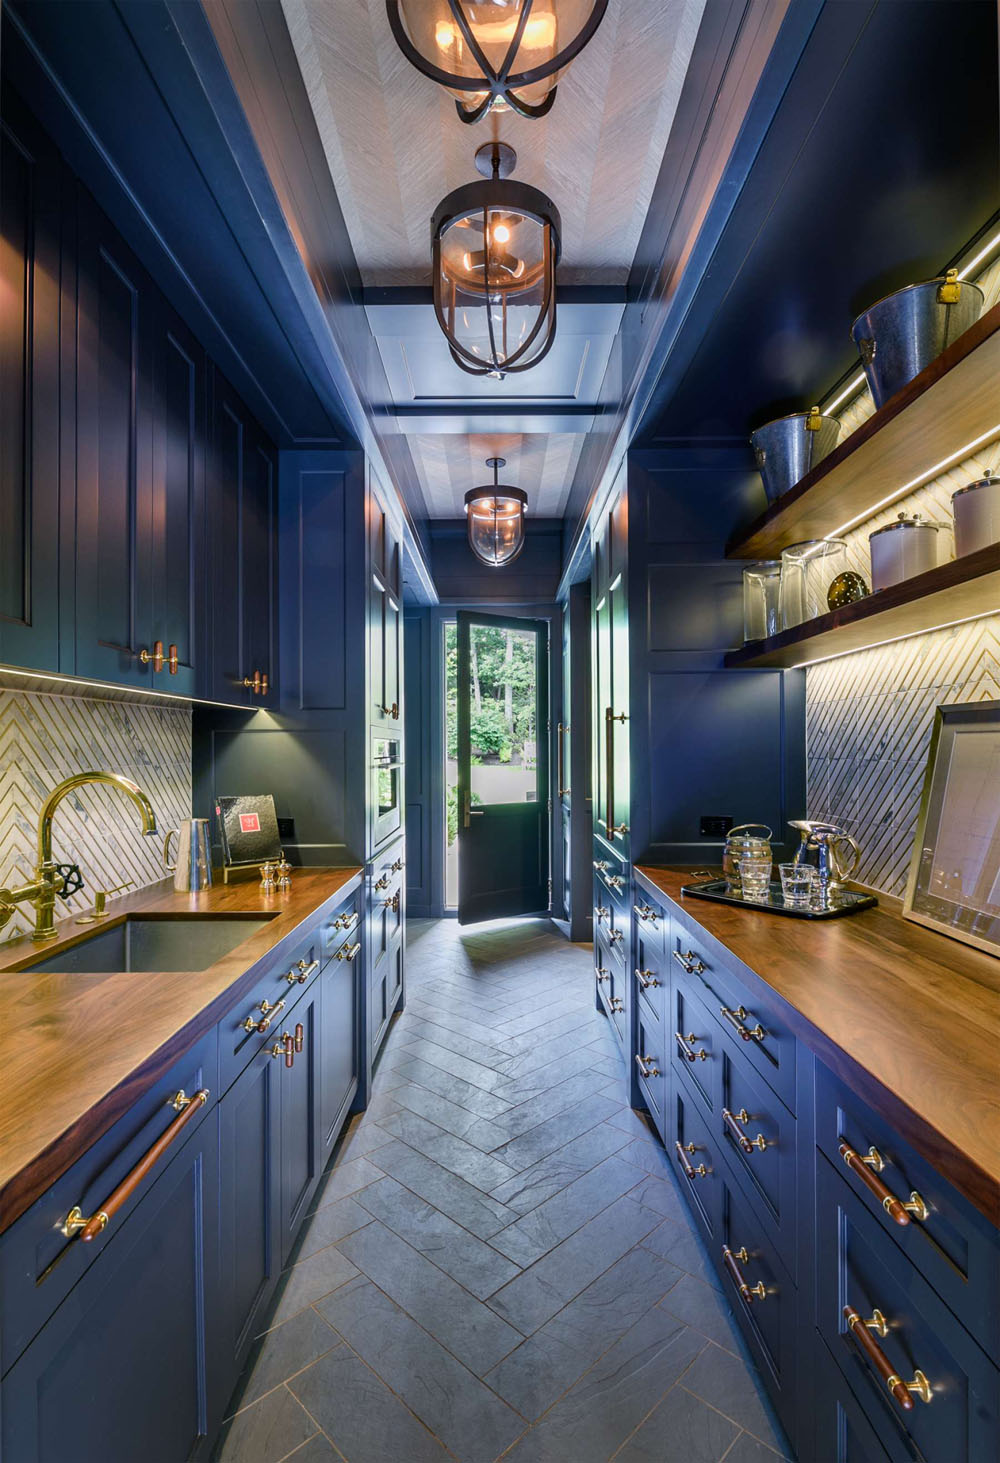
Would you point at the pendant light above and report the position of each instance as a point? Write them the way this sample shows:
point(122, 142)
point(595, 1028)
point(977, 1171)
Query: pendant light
point(495, 53)
point(496, 519)
point(495, 249)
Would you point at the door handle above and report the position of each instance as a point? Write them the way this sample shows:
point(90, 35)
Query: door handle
point(563, 792)
point(470, 811)
point(609, 782)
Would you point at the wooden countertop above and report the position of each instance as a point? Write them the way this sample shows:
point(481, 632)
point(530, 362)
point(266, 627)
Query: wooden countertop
point(907, 1017)
point(77, 1050)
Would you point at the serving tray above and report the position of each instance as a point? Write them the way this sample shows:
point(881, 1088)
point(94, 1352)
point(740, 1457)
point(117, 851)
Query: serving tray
point(839, 901)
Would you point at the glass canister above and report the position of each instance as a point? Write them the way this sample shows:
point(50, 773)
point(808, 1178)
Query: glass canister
point(807, 570)
point(761, 616)
point(746, 840)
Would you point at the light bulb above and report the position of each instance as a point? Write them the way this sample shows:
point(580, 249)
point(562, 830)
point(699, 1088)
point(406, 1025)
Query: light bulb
point(444, 34)
point(501, 234)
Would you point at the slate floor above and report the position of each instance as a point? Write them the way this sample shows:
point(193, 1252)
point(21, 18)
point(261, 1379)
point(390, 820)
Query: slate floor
point(499, 1263)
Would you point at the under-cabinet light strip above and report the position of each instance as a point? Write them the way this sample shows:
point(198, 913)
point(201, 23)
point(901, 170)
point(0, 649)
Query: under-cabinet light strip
point(894, 640)
point(983, 254)
point(72, 682)
point(851, 389)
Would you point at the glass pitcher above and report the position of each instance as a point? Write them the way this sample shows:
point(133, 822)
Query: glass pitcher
point(751, 840)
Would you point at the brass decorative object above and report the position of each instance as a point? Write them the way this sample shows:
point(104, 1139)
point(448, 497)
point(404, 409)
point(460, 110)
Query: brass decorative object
point(846, 589)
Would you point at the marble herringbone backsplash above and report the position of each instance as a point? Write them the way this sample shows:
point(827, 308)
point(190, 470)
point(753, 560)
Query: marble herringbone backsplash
point(44, 738)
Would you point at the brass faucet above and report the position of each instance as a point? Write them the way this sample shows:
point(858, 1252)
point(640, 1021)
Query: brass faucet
point(64, 879)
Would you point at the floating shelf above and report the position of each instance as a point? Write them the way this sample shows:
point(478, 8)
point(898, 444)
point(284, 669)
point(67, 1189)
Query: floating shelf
point(959, 590)
point(951, 403)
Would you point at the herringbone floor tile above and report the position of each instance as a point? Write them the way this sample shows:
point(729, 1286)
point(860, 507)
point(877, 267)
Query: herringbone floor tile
point(499, 1256)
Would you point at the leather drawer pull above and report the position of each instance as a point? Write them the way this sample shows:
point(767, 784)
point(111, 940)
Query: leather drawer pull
point(682, 1156)
point(688, 1052)
point(300, 974)
point(732, 1260)
point(90, 1228)
point(867, 1167)
point(900, 1391)
point(733, 1121)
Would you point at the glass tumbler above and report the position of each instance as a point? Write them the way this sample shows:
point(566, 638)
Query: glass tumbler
point(807, 570)
point(761, 616)
point(755, 876)
point(799, 883)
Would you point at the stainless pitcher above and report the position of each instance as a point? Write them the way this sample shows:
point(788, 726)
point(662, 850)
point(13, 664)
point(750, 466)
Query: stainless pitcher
point(192, 869)
point(823, 845)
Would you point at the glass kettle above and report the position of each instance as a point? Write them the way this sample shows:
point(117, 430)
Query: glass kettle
point(829, 849)
point(746, 840)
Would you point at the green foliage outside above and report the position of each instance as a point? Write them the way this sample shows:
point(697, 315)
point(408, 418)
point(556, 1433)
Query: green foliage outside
point(502, 716)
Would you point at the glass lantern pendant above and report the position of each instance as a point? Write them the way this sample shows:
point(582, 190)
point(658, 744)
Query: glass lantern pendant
point(495, 249)
point(495, 53)
point(496, 519)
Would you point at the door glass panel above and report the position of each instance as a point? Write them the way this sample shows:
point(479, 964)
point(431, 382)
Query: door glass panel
point(502, 731)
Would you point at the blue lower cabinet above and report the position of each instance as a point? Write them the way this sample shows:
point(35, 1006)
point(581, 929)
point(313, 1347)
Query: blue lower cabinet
point(839, 1431)
point(127, 1367)
point(339, 984)
point(301, 1160)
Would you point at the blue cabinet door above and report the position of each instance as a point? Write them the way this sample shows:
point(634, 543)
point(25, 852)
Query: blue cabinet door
point(127, 1368)
point(300, 1126)
point(339, 1046)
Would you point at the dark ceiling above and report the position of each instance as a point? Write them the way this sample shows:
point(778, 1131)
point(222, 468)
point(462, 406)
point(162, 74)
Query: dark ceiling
point(882, 162)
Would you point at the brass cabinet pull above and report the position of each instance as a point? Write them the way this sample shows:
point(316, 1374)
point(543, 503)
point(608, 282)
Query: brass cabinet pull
point(348, 952)
point(900, 1391)
point(733, 1122)
point(617, 1004)
point(615, 936)
point(346, 921)
point(732, 1259)
point(601, 865)
point(688, 1052)
point(690, 1172)
point(300, 1036)
point(867, 1167)
point(609, 756)
point(397, 866)
point(392, 903)
point(264, 683)
point(600, 912)
point(172, 660)
point(285, 1048)
point(267, 1015)
point(646, 978)
point(647, 1067)
point(562, 792)
point(616, 881)
point(646, 911)
point(253, 683)
point(692, 963)
point(153, 657)
point(298, 975)
point(390, 711)
point(382, 883)
point(602, 974)
point(737, 1018)
point(90, 1227)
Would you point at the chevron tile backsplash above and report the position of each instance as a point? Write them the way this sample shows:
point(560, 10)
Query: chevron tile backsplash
point(44, 738)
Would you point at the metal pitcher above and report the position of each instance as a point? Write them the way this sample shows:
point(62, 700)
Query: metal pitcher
point(192, 869)
point(824, 846)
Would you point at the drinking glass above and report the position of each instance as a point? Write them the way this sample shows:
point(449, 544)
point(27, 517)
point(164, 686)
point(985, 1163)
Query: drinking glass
point(798, 884)
point(807, 570)
point(755, 876)
point(760, 600)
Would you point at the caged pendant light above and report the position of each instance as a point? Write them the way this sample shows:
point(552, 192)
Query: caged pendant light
point(495, 53)
point(495, 248)
point(496, 519)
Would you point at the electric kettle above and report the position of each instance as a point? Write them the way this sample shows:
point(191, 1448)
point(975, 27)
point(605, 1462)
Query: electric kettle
point(821, 847)
point(192, 869)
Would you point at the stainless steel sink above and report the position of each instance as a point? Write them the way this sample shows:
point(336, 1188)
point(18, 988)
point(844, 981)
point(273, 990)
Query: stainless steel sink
point(143, 942)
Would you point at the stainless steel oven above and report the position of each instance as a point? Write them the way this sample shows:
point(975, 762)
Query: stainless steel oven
point(387, 788)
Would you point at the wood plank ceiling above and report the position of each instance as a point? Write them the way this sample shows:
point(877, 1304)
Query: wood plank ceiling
point(395, 146)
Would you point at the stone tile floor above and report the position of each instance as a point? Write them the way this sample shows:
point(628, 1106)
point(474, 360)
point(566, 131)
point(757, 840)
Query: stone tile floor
point(498, 1263)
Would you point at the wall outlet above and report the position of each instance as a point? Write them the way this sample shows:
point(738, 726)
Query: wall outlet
point(286, 827)
point(713, 825)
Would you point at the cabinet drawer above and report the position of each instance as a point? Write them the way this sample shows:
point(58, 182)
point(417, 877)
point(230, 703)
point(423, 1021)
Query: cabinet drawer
point(651, 978)
point(651, 1066)
point(863, 1275)
point(611, 877)
point(39, 1264)
point(953, 1246)
point(769, 1044)
point(759, 1139)
point(695, 1040)
point(696, 1160)
point(385, 988)
point(651, 924)
point(240, 1034)
point(612, 920)
point(841, 1433)
point(762, 1294)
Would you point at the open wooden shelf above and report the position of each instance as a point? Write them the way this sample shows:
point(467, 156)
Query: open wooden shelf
point(953, 401)
point(956, 591)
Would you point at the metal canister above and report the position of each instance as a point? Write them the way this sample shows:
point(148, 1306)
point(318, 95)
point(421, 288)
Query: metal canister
point(977, 515)
point(787, 448)
point(901, 334)
point(902, 549)
point(746, 840)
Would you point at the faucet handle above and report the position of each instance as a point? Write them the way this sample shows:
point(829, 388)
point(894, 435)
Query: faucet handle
point(72, 879)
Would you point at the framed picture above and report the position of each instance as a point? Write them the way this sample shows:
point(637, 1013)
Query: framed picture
point(249, 829)
point(954, 883)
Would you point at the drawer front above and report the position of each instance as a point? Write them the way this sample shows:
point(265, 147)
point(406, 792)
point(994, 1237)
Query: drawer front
point(696, 1161)
point(342, 929)
point(611, 877)
point(612, 986)
point(841, 1433)
point(39, 1264)
point(859, 1267)
point(953, 1246)
point(651, 1066)
point(651, 923)
point(758, 1136)
point(768, 1042)
point(695, 1040)
point(251, 1024)
point(762, 1295)
point(612, 920)
point(651, 976)
point(384, 989)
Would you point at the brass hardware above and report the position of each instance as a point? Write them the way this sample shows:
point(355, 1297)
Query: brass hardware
point(732, 1259)
point(76, 1220)
point(690, 1172)
point(300, 1036)
point(814, 421)
point(600, 912)
point(253, 683)
point(901, 1391)
point(646, 911)
point(64, 879)
point(689, 1054)
point(866, 1166)
point(173, 659)
point(264, 683)
point(299, 975)
point(382, 883)
point(646, 978)
point(692, 963)
point(100, 910)
point(616, 881)
point(348, 952)
point(562, 792)
point(602, 974)
point(180, 1100)
point(397, 866)
point(285, 1047)
point(950, 290)
point(346, 921)
point(267, 1012)
point(609, 756)
point(392, 903)
point(617, 1005)
point(154, 656)
point(646, 1071)
point(737, 1018)
point(601, 865)
point(615, 936)
point(733, 1122)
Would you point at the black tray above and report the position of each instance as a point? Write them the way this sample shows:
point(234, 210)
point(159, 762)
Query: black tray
point(840, 901)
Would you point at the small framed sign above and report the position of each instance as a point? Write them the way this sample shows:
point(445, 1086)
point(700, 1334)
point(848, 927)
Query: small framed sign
point(249, 829)
point(954, 883)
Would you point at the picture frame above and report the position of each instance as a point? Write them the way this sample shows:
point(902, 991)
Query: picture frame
point(954, 881)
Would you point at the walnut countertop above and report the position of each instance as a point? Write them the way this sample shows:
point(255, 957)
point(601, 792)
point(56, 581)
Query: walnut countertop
point(907, 1017)
point(77, 1049)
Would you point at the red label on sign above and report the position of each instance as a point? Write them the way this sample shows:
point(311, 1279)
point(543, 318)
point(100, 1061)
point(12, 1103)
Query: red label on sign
point(249, 823)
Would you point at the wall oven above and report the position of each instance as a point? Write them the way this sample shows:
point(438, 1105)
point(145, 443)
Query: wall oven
point(387, 788)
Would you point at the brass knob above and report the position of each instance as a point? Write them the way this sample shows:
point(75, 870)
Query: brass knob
point(253, 683)
point(154, 656)
point(172, 660)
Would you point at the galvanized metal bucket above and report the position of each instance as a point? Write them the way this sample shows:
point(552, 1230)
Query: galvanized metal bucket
point(787, 448)
point(900, 335)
